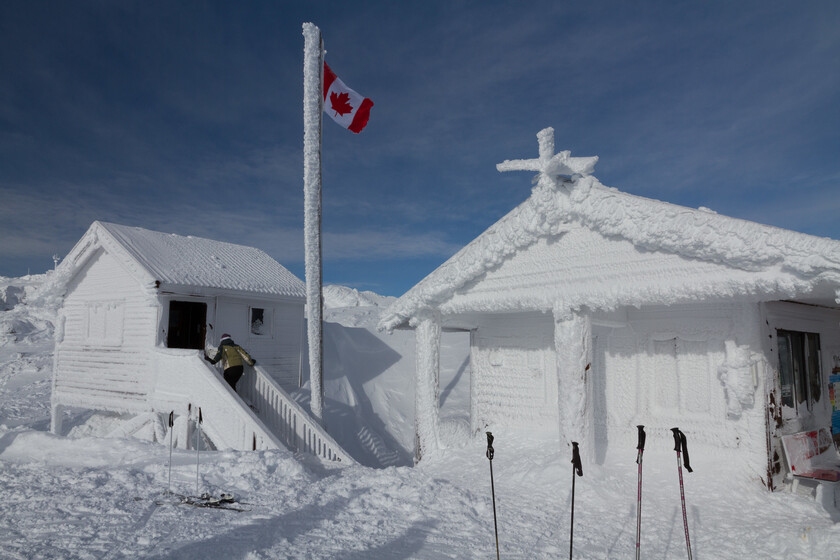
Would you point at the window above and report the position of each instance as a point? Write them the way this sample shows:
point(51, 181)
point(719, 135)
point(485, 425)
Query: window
point(104, 324)
point(799, 368)
point(259, 322)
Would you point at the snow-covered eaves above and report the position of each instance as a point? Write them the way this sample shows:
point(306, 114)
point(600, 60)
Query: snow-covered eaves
point(649, 225)
point(191, 265)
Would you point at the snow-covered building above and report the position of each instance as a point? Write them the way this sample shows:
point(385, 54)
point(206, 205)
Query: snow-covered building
point(139, 309)
point(597, 311)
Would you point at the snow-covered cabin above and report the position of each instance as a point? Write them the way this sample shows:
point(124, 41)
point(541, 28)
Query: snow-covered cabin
point(597, 311)
point(141, 306)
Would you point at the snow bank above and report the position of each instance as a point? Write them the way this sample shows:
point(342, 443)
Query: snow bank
point(342, 296)
point(89, 497)
point(368, 380)
point(14, 291)
point(10, 296)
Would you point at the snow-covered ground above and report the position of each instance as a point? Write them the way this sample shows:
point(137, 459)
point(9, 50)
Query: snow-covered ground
point(87, 496)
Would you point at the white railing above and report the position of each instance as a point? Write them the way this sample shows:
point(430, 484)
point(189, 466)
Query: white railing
point(185, 383)
point(287, 419)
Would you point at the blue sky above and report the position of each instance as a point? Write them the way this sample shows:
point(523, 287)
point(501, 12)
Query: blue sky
point(187, 118)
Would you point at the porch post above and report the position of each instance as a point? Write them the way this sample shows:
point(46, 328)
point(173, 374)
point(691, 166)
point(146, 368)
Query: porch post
point(573, 351)
point(426, 384)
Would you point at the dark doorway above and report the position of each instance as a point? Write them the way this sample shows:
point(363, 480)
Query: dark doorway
point(187, 324)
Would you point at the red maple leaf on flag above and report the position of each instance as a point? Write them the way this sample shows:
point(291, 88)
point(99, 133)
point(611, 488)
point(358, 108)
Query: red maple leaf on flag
point(341, 103)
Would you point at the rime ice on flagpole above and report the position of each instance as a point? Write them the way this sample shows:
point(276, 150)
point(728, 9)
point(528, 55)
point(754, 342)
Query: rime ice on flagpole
point(313, 56)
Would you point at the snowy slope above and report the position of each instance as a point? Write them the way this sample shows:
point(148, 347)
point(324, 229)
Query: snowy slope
point(369, 379)
point(94, 497)
point(26, 343)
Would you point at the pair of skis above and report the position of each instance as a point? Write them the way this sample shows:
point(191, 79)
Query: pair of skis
point(681, 447)
point(224, 501)
point(577, 470)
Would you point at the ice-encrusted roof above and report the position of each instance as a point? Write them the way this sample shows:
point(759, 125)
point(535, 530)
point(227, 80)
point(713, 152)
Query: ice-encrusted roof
point(176, 262)
point(558, 204)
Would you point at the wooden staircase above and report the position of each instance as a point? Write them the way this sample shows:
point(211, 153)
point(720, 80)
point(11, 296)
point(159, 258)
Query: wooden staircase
point(186, 382)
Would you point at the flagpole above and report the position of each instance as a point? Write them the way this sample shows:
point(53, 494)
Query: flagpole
point(313, 104)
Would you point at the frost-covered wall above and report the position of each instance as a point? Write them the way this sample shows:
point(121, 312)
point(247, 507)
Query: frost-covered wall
point(700, 367)
point(662, 369)
point(106, 328)
point(514, 379)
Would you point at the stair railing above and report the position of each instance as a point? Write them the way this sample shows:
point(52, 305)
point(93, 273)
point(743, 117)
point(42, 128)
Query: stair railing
point(287, 419)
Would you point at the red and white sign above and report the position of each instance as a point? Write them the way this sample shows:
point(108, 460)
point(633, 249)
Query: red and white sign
point(345, 106)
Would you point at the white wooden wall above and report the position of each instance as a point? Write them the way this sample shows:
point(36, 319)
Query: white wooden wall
point(102, 352)
point(277, 351)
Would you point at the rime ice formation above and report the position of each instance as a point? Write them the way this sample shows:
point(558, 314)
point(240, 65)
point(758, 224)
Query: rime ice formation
point(426, 386)
point(312, 115)
point(738, 378)
point(572, 339)
point(550, 165)
point(788, 262)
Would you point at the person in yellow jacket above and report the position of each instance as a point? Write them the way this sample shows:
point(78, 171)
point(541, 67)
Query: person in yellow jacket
point(232, 356)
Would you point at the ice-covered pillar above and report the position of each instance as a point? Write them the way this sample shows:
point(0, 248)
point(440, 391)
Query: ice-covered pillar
point(57, 419)
point(313, 67)
point(426, 384)
point(573, 351)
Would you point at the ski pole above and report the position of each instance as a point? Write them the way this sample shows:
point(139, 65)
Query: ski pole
point(197, 450)
point(640, 450)
point(171, 431)
point(577, 470)
point(680, 445)
point(493, 489)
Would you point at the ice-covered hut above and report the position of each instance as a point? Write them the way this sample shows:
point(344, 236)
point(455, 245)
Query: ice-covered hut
point(597, 311)
point(139, 309)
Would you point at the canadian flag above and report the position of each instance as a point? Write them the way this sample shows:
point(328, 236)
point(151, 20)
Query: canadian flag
point(345, 106)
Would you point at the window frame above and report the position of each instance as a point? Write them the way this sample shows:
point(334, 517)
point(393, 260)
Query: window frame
point(800, 368)
point(267, 322)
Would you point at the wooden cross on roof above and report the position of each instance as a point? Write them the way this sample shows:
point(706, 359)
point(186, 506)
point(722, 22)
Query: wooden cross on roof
point(551, 165)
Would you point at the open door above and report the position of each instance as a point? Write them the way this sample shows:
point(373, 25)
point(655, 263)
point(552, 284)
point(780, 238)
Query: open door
point(187, 325)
